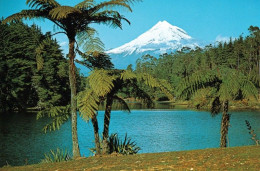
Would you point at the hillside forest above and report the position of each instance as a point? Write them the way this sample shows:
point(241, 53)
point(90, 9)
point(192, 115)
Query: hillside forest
point(241, 55)
point(30, 82)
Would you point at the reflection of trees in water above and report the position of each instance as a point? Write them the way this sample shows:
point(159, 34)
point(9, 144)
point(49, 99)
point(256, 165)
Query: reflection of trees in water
point(139, 105)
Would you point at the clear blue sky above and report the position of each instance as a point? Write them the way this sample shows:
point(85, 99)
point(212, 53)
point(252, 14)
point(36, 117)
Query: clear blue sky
point(205, 20)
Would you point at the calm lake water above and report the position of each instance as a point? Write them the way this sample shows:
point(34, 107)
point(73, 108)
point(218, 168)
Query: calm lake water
point(21, 138)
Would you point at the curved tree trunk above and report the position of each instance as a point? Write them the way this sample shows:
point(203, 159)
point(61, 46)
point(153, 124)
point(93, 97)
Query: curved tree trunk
point(224, 125)
point(72, 78)
point(95, 126)
point(106, 124)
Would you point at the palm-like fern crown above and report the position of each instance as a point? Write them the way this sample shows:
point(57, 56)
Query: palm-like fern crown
point(75, 19)
point(103, 83)
point(225, 83)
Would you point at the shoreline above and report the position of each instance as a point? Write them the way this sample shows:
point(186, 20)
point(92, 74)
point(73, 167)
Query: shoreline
point(232, 158)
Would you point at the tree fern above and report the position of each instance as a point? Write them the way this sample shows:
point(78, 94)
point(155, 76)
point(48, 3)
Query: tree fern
point(122, 104)
point(226, 85)
point(62, 12)
point(88, 103)
point(42, 3)
point(74, 20)
point(89, 41)
point(127, 74)
point(101, 81)
point(86, 4)
point(58, 114)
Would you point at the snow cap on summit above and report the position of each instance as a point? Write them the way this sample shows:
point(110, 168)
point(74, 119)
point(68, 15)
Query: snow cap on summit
point(162, 33)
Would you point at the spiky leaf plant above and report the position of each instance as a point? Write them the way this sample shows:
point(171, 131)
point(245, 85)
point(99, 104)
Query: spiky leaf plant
point(126, 147)
point(57, 155)
point(75, 21)
point(104, 85)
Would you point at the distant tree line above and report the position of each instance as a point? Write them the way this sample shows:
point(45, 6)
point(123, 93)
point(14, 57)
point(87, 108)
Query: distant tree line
point(27, 80)
point(241, 54)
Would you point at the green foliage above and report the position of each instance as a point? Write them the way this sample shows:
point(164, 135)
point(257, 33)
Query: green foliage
point(213, 87)
point(225, 83)
point(88, 102)
point(89, 40)
point(101, 81)
point(58, 114)
point(241, 56)
point(56, 156)
point(126, 147)
point(75, 20)
point(32, 68)
point(95, 59)
point(105, 83)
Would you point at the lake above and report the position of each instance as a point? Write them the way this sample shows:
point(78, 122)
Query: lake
point(22, 139)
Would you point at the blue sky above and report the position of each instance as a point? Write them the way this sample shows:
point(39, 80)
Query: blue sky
point(205, 20)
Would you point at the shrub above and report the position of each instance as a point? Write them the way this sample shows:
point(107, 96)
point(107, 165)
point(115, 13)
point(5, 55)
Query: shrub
point(56, 156)
point(125, 147)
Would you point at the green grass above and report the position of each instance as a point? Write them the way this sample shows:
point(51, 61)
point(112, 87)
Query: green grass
point(235, 158)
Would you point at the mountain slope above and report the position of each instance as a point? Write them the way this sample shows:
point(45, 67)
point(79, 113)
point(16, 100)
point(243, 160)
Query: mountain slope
point(161, 38)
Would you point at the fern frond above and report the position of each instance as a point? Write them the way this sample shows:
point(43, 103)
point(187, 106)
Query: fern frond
point(62, 12)
point(110, 18)
point(110, 5)
point(59, 115)
point(190, 85)
point(155, 83)
point(142, 95)
point(89, 40)
point(26, 14)
point(224, 92)
point(86, 4)
point(166, 88)
point(123, 104)
point(88, 103)
point(101, 81)
point(42, 3)
point(128, 75)
point(248, 88)
point(148, 80)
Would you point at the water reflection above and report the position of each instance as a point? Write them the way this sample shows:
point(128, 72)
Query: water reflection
point(153, 130)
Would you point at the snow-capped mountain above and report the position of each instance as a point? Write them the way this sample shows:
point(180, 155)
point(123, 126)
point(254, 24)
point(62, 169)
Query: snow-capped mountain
point(161, 38)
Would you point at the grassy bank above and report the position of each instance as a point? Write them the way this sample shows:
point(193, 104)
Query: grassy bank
point(235, 158)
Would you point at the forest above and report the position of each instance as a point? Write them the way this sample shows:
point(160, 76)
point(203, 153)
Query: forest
point(240, 54)
point(36, 75)
point(26, 83)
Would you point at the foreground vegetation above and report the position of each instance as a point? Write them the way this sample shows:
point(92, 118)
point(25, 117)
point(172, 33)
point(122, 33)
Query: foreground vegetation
point(213, 76)
point(234, 158)
point(75, 22)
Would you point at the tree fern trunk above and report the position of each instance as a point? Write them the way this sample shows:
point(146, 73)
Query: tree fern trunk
point(95, 126)
point(72, 78)
point(106, 124)
point(224, 124)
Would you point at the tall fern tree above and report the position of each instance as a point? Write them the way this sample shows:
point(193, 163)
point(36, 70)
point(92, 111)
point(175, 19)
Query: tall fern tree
point(222, 85)
point(75, 21)
point(104, 85)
